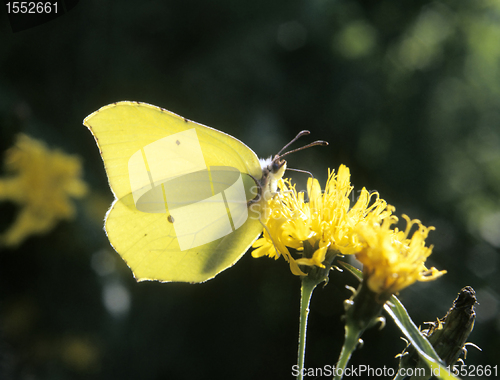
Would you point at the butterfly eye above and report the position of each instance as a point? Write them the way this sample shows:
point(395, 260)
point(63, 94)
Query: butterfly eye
point(277, 164)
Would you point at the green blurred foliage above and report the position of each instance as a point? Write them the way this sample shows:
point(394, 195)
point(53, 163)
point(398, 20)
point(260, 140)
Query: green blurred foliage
point(407, 94)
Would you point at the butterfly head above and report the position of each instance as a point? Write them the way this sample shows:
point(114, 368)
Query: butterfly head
point(273, 170)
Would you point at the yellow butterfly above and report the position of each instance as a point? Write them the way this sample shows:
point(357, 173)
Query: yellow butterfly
point(188, 199)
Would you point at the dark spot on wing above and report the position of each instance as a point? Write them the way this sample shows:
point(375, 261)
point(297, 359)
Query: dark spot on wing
point(170, 218)
point(178, 142)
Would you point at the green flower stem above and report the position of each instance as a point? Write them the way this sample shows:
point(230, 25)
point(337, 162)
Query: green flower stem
point(362, 312)
point(352, 335)
point(315, 275)
point(307, 288)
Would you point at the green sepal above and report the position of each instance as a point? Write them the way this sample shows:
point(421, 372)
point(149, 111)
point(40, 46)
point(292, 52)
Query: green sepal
point(400, 316)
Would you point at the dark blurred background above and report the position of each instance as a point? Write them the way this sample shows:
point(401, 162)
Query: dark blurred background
point(408, 95)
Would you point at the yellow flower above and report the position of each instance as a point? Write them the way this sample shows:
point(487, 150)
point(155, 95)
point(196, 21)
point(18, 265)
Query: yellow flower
point(326, 222)
point(392, 261)
point(41, 182)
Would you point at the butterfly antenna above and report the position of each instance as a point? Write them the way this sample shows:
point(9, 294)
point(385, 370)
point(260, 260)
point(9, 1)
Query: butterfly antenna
point(314, 143)
point(299, 135)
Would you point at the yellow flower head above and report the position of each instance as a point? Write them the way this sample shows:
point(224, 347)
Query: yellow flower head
point(326, 222)
point(392, 261)
point(41, 182)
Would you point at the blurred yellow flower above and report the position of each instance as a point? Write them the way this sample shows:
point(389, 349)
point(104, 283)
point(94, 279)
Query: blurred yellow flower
point(41, 182)
point(326, 222)
point(392, 261)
